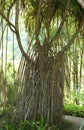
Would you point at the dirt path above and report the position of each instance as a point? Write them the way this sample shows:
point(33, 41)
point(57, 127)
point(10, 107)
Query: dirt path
point(72, 123)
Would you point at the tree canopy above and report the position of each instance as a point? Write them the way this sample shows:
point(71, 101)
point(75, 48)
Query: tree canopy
point(41, 17)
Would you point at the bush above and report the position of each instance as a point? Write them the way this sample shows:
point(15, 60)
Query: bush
point(74, 110)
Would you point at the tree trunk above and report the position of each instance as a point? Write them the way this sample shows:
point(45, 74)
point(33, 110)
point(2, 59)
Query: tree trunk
point(43, 89)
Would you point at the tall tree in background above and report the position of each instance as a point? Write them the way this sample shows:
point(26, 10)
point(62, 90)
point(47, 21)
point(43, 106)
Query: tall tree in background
point(45, 21)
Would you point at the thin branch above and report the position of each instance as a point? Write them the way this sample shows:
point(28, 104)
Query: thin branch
point(65, 48)
point(17, 31)
point(17, 15)
point(56, 36)
point(12, 27)
point(38, 23)
point(10, 7)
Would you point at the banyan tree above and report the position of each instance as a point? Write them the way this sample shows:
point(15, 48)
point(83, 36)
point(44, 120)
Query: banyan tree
point(52, 27)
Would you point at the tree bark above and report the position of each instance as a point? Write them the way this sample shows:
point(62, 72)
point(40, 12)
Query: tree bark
point(43, 89)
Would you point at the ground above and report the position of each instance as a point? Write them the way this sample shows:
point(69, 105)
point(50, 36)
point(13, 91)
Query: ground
point(72, 123)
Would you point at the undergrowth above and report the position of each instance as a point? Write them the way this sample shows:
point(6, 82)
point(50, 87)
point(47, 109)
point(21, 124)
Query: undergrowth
point(74, 110)
point(29, 125)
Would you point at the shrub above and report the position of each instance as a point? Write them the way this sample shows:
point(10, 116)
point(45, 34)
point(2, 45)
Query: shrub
point(74, 110)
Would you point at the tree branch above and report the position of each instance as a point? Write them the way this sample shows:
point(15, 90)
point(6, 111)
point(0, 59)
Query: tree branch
point(17, 32)
point(10, 7)
point(15, 28)
point(65, 48)
point(37, 29)
point(12, 27)
point(56, 36)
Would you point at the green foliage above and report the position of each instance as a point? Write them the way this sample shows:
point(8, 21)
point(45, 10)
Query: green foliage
point(29, 125)
point(33, 125)
point(8, 91)
point(10, 125)
point(74, 110)
point(8, 112)
point(73, 95)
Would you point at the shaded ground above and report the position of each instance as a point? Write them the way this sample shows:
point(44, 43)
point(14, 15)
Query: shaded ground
point(72, 123)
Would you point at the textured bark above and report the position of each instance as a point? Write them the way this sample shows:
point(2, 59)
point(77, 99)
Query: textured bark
point(43, 89)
